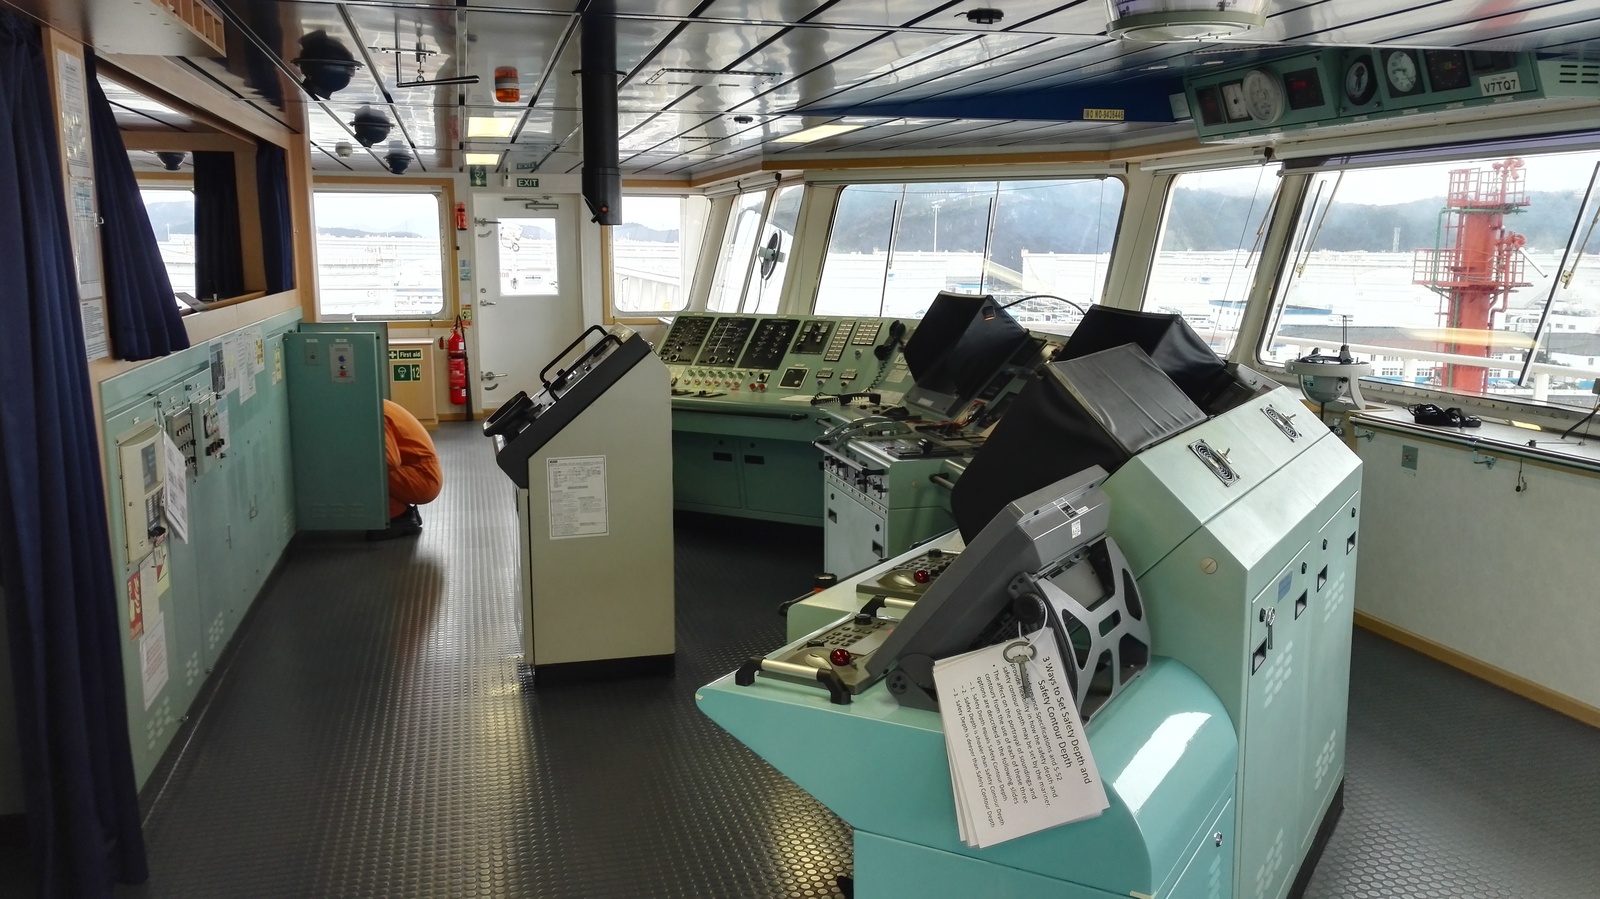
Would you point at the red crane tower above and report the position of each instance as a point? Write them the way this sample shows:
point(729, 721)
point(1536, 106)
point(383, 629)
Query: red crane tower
point(1476, 264)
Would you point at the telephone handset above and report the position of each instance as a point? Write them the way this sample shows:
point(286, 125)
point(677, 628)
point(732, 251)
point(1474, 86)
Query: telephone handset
point(897, 334)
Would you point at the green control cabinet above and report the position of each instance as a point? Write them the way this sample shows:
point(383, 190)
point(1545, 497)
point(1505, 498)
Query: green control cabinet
point(341, 478)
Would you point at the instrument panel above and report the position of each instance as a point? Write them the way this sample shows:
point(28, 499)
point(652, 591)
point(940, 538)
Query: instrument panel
point(767, 346)
point(769, 358)
point(726, 340)
point(1334, 86)
point(684, 340)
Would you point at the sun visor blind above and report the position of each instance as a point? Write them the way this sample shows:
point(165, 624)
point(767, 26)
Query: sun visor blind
point(1525, 146)
point(1166, 338)
point(1100, 409)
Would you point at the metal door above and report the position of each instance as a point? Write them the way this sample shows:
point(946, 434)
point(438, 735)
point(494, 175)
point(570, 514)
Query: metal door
point(528, 294)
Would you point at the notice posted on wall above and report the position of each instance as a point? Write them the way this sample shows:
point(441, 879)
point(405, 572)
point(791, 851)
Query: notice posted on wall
point(153, 660)
point(175, 489)
point(577, 496)
point(1019, 758)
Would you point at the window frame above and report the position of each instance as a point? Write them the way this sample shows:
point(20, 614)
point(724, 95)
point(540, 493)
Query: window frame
point(174, 181)
point(730, 228)
point(689, 253)
point(1299, 208)
point(441, 188)
point(1001, 177)
point(1263, 244)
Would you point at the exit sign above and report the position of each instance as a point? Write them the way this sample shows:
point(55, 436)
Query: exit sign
point(527, 182)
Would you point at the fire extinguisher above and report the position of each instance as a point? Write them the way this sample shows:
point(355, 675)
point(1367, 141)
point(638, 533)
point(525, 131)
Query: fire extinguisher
point(461, 216)
point(455, 347)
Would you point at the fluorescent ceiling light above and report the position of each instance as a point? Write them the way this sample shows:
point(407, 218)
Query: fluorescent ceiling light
point(490, 126)
point(815, 133)
point(483, 159)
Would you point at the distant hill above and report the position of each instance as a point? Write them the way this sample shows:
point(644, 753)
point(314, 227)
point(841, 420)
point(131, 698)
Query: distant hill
point(1196, 217)
point(357, 232)
point(171, 218)
point(635, 231)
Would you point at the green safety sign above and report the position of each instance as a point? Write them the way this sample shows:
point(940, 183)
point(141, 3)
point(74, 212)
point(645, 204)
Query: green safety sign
point(398, 355)
point(407, 372)
point(527, 182)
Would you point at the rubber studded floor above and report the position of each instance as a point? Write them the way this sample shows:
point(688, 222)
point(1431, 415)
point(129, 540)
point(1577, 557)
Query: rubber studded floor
point(369, 736)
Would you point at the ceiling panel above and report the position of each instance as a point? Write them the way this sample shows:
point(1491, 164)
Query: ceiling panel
point(835, 60)
point(871, 58)
point(887, 136)
point(926, 13)
point(562, 86)
point(910, 60)
point(524, 42)
point(136, 112)
point(680, 67)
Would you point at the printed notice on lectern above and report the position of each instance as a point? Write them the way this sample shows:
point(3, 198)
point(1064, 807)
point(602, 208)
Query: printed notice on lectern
point(577, 495)
point(1019, 758)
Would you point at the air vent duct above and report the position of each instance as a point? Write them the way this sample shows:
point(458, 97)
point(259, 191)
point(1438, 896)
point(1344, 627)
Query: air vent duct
point(602, 175)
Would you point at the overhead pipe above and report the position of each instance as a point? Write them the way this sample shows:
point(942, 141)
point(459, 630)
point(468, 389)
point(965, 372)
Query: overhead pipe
point(602, 174)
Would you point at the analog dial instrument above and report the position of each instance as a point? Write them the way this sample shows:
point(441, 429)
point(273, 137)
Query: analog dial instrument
point(1400, 68)
point(1263, 96)
point(1359, 83)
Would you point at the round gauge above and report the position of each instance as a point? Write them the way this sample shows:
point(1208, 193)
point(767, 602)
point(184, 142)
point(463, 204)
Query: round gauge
point(1359, 85)
point(1263, 96)
point(1400, 68)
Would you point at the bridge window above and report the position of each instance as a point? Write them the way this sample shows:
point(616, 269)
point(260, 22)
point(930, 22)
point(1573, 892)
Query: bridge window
point(1479, 276)
point(1045, 244)
point(1209, 248)
point(755, 250)
point(379, 255)
point(171, 212)
point(650, 260)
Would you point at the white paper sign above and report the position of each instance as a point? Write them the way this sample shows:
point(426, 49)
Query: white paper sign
point(247, 374)
point(153, 659)
point(1018, 764)
point(576, 487)
point(175, 492)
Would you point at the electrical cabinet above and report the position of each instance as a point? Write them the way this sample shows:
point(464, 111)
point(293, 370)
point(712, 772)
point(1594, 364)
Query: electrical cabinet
point(341, 479)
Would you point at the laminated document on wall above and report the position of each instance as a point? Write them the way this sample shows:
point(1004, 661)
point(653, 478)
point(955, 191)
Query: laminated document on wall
point(175, 488)
point(577, 496)
point(1019, 757)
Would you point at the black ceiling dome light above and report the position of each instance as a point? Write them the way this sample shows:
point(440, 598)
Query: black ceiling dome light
point(370, 126)
point(170, 160)
point(398, 161)
point(326, 64)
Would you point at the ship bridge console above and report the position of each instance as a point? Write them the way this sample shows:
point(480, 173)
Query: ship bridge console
point(1197, 558)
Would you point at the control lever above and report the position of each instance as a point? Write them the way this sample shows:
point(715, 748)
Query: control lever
point(1270, 616)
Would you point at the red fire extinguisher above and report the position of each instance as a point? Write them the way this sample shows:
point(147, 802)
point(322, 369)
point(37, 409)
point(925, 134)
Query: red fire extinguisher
point(461, 216)
point(455, 347)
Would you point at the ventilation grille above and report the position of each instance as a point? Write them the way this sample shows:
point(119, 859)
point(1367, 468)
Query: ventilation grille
point(1578, 73)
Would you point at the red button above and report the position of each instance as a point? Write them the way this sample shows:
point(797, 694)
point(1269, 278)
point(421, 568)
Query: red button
point(921, 576)
point(839, 657)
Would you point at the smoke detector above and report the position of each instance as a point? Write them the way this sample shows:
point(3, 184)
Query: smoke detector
point(984, 15)
point(1168, 21)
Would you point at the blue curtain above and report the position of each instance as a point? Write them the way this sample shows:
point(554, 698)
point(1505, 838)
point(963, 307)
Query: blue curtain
point(140, 311)
point(218, 265)
point(62, 604)
point(277, 240)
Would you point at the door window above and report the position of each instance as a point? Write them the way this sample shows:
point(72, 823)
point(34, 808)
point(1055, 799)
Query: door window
point(528, 257)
